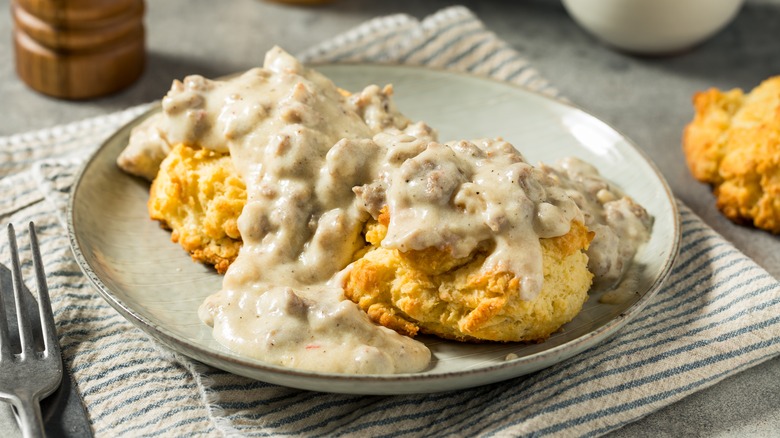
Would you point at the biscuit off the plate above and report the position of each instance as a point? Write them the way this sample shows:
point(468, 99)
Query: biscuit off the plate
point(733, 143)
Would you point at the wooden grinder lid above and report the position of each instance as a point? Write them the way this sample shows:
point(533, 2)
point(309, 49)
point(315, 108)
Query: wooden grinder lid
point(78, 49)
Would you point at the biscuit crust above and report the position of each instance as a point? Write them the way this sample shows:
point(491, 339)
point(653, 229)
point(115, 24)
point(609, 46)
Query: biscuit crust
point(431, 292)
point(198, 195)
point(733, 144)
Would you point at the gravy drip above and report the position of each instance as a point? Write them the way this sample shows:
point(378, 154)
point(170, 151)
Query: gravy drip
point(300, 146)
point(317, 165)
point(620, 224)
point(463, 196)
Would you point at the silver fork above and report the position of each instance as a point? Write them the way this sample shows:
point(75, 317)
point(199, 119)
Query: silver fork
point(28, 375)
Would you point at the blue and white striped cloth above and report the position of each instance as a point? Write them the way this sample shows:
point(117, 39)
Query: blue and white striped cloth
point(718, 314)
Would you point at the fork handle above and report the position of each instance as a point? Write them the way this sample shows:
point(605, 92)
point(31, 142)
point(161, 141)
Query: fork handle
point(28, 409)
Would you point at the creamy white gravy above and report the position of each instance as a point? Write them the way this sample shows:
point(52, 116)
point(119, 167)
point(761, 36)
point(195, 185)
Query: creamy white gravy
point(317, 165)
point(463, 195)
point(620, 224)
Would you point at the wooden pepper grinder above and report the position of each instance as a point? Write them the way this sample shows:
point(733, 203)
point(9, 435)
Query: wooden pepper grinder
point(78, 49)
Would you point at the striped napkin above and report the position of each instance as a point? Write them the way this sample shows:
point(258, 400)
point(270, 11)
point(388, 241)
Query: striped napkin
point(718, 314)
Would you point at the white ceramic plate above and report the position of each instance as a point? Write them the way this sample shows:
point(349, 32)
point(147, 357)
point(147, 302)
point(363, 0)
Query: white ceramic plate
point(153, 283)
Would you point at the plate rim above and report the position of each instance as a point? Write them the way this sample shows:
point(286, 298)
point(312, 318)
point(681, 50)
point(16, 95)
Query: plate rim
point(567, 349)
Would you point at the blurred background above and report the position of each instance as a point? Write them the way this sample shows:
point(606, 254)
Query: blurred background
point(199, 36)
point(646, 97)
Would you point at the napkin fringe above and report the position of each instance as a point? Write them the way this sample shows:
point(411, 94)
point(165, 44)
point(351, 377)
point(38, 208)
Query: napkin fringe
point(210, 397)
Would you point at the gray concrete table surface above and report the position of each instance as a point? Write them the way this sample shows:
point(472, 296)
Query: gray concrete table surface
point(646, 98)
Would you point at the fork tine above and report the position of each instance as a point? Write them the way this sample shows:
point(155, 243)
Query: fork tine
point(44, 301)
point(5, 347)
point(25, 332)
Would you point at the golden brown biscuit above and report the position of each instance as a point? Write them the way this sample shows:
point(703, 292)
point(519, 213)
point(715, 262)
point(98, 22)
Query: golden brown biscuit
point(198, 195)
point(733, 143)
point(429, 291)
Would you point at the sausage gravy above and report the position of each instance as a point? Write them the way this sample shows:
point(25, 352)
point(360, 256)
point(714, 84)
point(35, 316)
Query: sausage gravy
point(318, 164)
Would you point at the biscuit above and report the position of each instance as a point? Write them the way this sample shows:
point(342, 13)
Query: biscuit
point(431, 292)
point(198, 195)
point(733, 144)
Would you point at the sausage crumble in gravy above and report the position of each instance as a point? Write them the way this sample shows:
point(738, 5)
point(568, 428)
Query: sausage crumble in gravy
point(319, 164)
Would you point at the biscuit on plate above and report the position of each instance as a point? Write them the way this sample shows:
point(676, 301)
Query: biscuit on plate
point(733, 143)
point(431, 292)
point(198, 195)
